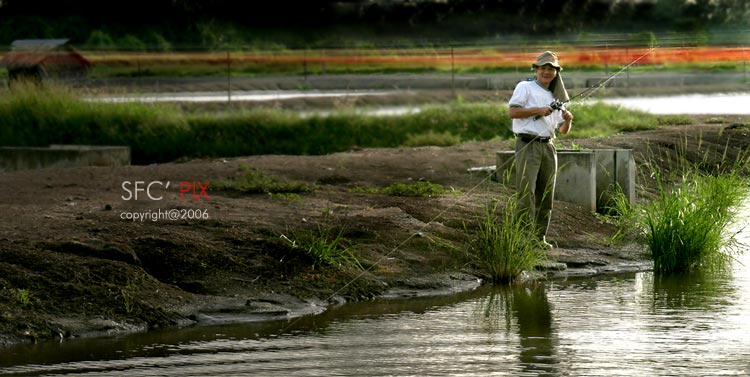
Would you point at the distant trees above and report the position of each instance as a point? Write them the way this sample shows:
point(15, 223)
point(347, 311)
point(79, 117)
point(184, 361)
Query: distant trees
point(210, 23)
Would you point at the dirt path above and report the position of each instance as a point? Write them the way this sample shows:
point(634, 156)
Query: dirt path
point(73, 264)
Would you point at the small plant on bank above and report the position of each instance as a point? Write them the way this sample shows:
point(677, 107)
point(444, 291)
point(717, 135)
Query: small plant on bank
point(326, 247)
point(287, 198)
point(421, 189)
point(505, 243)
point(18, 296)
point(257, 182)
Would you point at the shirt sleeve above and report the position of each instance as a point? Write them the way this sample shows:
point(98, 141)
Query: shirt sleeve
point(520, 97)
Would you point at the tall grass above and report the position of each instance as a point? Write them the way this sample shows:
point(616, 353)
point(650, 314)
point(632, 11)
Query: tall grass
point(34, 116)
point(39, 116)
point(686, 227)
point(505, 244)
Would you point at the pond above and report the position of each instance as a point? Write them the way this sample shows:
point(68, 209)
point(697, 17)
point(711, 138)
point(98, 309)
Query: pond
point(720, 103)
point(623, 325)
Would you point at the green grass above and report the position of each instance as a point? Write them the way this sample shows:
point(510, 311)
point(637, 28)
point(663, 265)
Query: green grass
point(421, 189)
point(687, 225)
point(33, 116)
point(327, 248)
point(252, 181)
point(17, 296)
point(505, 244)
point(601, 120)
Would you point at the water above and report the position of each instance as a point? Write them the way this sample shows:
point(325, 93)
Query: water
point(721, 103)
point(626, 325)
point(241, 95)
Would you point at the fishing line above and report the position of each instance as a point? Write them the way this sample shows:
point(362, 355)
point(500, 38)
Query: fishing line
point(580, 96)
point(416, 233)
point(603, 82)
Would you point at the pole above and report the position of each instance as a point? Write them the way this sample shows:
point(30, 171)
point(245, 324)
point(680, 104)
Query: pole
point(229, 78)
point(453, 73)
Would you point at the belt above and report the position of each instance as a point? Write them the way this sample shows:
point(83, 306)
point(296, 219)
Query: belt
point(527, 138)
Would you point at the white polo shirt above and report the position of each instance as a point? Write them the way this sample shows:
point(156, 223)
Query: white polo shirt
point(531, 94)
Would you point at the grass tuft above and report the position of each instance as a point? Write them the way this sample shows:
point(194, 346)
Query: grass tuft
point(257, 182)
point(420, 189)
point(687, 225)
point(326, 247)
point(505, 244)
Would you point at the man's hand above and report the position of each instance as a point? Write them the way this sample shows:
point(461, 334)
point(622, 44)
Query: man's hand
point(544, 111)
point(567, 116)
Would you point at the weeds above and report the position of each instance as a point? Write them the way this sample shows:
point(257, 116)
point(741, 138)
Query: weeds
point(505, 244)
point(19, 296)
point(686, 226)
point(326, 247)
point(420, 189)
point(257, 182)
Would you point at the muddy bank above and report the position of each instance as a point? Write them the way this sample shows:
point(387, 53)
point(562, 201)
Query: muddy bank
point(74, 263)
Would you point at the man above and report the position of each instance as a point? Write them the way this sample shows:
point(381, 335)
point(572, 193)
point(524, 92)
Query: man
point(535, 123)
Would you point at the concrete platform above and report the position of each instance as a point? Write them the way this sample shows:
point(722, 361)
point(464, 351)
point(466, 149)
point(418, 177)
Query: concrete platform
point(585, 177)
point(62, 156)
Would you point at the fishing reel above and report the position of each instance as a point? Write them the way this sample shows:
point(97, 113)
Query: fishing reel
point(555, 105)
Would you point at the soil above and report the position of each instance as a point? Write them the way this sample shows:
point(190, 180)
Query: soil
point(71, 265)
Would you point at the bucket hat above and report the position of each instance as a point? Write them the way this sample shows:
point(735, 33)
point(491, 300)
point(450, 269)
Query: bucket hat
point(547, 57)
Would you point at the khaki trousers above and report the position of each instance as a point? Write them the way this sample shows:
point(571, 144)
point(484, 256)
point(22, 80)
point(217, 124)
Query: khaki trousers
point(536, 172)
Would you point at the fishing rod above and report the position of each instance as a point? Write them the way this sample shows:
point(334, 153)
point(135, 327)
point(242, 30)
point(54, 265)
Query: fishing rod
point(602, 83)
point(560, 105)
point(556, 105)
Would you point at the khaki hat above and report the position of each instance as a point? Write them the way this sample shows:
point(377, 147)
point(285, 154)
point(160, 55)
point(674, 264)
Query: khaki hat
point(547, 57)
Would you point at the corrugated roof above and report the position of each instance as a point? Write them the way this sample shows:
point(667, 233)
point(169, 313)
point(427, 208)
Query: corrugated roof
point(52, 54)
point(38, 44)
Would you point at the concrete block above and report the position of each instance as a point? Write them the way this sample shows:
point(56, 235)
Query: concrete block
point(576, 178)
point(584, 177)
point(615, 171)
point(62, 156)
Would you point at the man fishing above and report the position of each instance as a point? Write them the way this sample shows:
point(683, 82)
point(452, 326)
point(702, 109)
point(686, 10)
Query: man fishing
point(537, 110)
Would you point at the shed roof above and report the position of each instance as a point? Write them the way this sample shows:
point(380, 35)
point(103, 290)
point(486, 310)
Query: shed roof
point(38, 44)
point(48, 52)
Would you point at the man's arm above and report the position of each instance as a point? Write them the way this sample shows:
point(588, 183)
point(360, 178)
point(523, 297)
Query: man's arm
point(516, 112)
point(567, 122)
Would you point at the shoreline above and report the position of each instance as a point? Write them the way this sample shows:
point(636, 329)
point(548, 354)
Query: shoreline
point(87, 272)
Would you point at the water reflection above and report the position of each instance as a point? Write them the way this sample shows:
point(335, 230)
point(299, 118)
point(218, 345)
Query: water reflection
point(693, 291)
point(631, 324)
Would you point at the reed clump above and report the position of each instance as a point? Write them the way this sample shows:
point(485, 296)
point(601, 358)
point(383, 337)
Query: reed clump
point(505, 244)
point(687, 226)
